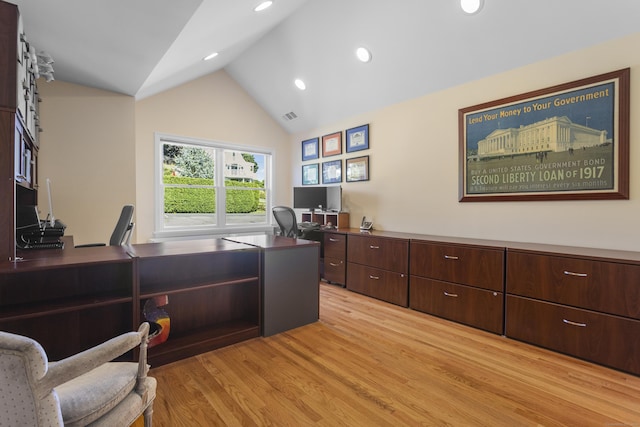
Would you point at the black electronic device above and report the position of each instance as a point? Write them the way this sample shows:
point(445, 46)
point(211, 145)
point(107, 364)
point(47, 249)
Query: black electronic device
point(323, 198)
point(33, 233)
point(310, 198)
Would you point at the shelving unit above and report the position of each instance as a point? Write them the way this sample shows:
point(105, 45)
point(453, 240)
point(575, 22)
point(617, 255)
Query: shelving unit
point(213, 288)
point(71, 301)
point(19, 125)
point(337, 219)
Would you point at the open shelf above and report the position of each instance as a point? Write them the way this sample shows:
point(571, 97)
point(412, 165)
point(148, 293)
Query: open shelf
point(336, 219)
point(202, 340)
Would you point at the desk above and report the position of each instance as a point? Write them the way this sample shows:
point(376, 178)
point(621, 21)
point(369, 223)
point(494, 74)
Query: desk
point(221, 291)
point(289, 281)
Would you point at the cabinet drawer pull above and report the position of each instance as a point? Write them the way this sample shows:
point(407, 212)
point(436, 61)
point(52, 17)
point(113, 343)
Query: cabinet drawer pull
point(374, 277)
point(450, 257)
point(333, 264)
point(571, 273)
point(374, 247)
point(331, 239)
point(447, 294)
point(569, 322)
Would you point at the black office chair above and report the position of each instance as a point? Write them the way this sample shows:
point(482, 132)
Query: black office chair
point(286, 219)
point(122, 233)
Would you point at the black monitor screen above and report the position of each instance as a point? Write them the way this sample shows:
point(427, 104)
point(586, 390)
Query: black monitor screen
point(310, 197)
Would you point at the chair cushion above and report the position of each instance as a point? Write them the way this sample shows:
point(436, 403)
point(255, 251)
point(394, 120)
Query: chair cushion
point(87, 397)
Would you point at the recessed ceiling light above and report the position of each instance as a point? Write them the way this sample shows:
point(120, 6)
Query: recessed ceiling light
point(300, 84)
point(263, 6)
point(471, 6)
point(210, 56)
point(363, 54)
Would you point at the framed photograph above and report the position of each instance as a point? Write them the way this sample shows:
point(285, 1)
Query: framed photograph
point(332, 172)
point(332, 144)
point(357, 138)
point(357, 169)
point(566, 142)
point(310, 174)
point(310, 149)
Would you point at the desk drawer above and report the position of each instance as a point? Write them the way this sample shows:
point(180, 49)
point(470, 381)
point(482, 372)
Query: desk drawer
point(384, 253)
point(464, 304)
point(601, 338)
point(335, 245)
point(480, 267)
point(334, 270)
point(386, 285)
point(610, 287)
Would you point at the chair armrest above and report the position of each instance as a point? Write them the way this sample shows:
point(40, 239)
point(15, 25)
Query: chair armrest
point(83, 362)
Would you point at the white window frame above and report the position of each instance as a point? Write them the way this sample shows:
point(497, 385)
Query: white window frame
point(220, 228)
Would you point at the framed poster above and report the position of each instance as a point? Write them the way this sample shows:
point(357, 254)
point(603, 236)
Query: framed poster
point(332, 172)
point(357, 169)
point(310, 149)
point(310, 174)
point(357, 138)
point(332, 144)
point(566, 142)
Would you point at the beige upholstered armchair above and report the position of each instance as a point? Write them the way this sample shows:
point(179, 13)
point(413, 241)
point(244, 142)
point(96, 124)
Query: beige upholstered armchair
point(86, 388)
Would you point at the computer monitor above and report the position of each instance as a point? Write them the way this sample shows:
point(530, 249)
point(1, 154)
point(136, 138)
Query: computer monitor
point(310, 198)
point(334, 198)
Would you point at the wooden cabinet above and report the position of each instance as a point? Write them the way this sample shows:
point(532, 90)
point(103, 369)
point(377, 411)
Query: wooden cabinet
point(213, 289)
point(19, 125)
point(379, 267)
point(68, 300)
point(581, 305)
point(335, 219)
point(335, 257)
point(458, 282)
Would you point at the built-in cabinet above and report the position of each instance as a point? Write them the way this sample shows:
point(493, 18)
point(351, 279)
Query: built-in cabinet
point(19, 125)
point(578, 302)
point(459, 282)
point(379, 267)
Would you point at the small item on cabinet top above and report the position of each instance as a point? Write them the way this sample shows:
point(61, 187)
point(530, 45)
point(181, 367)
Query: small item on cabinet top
point(366, 225)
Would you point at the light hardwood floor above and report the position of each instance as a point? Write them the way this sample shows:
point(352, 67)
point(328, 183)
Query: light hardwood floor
point(369, 363)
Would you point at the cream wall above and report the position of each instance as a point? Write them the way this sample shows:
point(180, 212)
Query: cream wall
point(87, 150)
point(215, 108)
point(414, 163)
point(97, 148)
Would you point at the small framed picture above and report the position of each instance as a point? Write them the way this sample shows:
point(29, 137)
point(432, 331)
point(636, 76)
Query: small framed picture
point(357, 138)
point(357, 169)
point(310, 149)
point(310, 174)
point(332, 144)
point(332, 172)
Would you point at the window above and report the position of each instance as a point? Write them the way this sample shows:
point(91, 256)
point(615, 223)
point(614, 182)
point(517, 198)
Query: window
point(206, 187)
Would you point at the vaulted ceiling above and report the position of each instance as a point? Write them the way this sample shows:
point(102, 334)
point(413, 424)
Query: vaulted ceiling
point(142, 47)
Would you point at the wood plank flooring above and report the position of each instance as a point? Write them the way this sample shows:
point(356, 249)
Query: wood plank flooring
point(369, 363)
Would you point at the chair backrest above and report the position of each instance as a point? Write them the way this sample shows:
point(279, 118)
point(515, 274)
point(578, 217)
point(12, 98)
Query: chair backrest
point(124, 227)
point(286, 219)
point(23, 400)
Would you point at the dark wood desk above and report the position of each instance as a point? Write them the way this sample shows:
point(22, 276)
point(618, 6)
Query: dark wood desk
point(220, 292)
